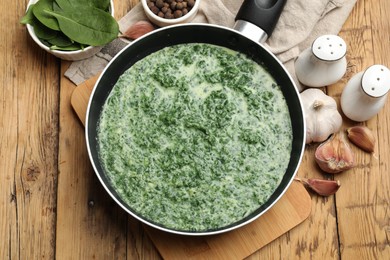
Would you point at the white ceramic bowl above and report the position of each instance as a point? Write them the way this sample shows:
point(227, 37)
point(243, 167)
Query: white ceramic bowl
point(67, 55)
point(166, 22)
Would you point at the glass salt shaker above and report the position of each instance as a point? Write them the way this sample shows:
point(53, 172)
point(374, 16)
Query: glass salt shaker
point(324, 63)
point(365, 93)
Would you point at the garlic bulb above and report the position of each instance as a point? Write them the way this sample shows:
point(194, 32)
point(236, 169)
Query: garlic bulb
point(321, 115)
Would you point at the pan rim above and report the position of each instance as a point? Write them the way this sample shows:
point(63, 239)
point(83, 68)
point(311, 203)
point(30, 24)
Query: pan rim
point(181, 232)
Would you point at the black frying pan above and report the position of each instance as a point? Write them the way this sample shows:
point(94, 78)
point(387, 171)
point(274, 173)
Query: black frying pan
point(253, 13)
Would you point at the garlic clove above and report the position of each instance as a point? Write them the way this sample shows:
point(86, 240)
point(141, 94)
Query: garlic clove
point(321, 187)
point(362, 137)
point(137, 30)
point(334, 155)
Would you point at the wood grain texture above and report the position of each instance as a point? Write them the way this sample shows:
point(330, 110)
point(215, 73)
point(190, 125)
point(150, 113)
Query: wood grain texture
point(28, 142)
point(363, 209)
point(80, 97)
point(53, 206)
point(83, 209)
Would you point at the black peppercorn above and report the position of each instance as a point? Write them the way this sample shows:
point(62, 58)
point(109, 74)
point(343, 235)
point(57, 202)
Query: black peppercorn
point(169, 15)
point(170, 9)
point(173, 5)
point(191, 3)
point(179, 6)
point(150, 4)
point(160, 3)
point(178, 14)
point(154, 9)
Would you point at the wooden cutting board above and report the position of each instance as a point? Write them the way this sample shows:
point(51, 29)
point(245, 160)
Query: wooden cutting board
point(292, 209)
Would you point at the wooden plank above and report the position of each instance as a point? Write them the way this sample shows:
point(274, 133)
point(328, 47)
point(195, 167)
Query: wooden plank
point(139, 245)
point(362, 209)
point(28, 141)
point(80, 96)
point(95, 227)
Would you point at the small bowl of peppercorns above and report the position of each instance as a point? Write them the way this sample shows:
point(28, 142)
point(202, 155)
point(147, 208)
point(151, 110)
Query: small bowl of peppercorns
point(169, 12)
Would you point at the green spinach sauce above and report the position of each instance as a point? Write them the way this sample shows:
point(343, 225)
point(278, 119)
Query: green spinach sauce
point(195, 137)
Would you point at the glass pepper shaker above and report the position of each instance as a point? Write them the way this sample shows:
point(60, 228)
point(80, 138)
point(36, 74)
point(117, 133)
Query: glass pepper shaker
point(365, 93)
point(322, 64)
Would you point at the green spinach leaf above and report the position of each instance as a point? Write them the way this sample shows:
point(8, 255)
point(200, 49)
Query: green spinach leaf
point(65, 5)
point(70, 24)
point(61, 41)
point(41, 11)
point(87, 25)
point(100, 4)
point(29, 16)
point(56, 7)
point(74, 47)
point(42, 31)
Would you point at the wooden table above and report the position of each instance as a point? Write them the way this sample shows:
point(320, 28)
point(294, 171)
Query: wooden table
point(52, 205)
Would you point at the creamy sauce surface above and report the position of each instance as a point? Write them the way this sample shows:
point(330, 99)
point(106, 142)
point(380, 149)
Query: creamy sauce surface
point(195, 137)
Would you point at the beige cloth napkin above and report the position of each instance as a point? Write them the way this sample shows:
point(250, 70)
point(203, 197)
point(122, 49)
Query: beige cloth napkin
point(301, 22)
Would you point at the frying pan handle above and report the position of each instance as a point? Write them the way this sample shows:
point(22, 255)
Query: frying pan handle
point(258, 17)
